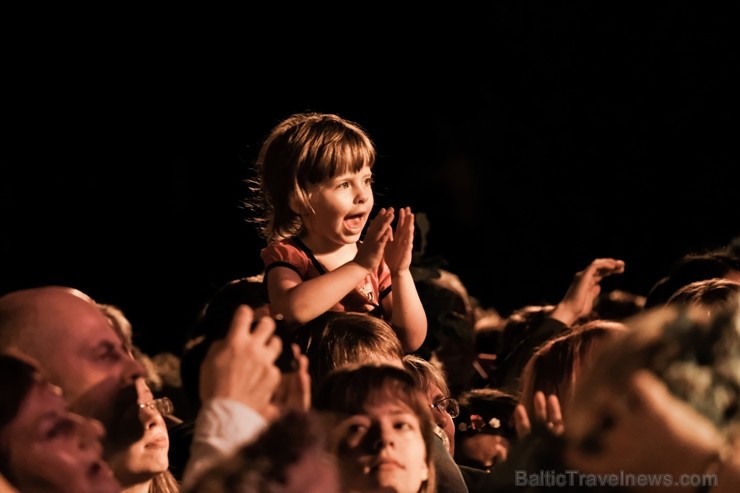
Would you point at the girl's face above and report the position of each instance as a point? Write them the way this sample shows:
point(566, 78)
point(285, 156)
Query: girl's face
point(51, 449)
point(380, 448)
point(341, 208)
point(146, 457)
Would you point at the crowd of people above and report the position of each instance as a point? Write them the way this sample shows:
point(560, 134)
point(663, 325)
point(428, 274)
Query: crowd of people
point(346, 367)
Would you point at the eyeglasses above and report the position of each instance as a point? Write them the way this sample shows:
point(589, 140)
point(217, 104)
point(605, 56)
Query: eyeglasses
point(163, 406)
point(447, 405)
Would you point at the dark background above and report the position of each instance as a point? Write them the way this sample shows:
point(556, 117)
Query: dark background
point(534, 136)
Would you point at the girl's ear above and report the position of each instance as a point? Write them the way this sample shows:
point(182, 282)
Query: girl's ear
point(296, 205)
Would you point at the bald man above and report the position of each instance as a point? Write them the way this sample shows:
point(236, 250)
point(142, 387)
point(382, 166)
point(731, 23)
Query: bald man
point(74, 344)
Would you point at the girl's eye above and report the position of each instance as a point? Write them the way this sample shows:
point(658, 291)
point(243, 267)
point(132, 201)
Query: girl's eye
point(344, 184)
point(369, 181)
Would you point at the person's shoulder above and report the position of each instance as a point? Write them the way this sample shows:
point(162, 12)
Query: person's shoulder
point(281, 251)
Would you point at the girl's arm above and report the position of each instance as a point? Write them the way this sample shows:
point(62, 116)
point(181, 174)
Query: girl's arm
point(300, 301)
point(406, 311)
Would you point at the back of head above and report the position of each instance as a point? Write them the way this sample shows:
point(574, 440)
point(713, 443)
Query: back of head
point(719, 263)
point(451, 326)
point(693, 351)
point(212, 324)
point(304, 149)
point(709, 293)
point(449, 311)
point(555, 366)
point(518, 340)
point(336, 339)
point(486, 410)
point(519, 325)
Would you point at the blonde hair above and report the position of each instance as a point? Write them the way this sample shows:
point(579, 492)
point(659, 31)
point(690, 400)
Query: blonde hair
point(426, 373)
point(304, 149)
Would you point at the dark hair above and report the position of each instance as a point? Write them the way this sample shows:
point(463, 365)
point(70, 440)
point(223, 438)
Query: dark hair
point(212, 324)
point(709, 292)
point(690, 268)
point(519, 338)
point(17, 378)
point(486, 410)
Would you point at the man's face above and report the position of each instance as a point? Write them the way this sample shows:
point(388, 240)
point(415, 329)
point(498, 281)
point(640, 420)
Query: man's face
point(78, 350)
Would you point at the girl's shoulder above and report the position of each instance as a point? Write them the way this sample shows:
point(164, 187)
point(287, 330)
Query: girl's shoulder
point(282, 250)
point(293, 254)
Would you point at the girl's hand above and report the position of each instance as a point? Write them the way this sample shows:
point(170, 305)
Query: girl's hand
point(399, 251)
point(370, 251)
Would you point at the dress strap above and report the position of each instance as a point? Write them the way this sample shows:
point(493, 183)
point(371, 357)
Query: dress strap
point(302, 246)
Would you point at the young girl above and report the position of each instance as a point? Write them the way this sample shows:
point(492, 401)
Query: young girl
point(315, 184)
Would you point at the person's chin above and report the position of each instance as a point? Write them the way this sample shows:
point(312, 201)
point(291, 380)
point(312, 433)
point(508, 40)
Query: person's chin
point(348, 237)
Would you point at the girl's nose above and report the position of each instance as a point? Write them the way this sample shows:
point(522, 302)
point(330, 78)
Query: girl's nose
point(363, 195)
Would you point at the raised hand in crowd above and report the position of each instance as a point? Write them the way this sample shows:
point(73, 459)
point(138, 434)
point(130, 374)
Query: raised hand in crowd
point(578, 301)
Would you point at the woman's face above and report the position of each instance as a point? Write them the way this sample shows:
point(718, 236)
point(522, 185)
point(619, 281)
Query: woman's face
point(382, 448)
point(50, 449)
point(146, 457)
point(441, 417)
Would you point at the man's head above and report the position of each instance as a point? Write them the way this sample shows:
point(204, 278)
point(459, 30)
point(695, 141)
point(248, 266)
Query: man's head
point(74, 344)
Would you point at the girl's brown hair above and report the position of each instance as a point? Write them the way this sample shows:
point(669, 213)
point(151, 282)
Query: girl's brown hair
point(304, 149)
